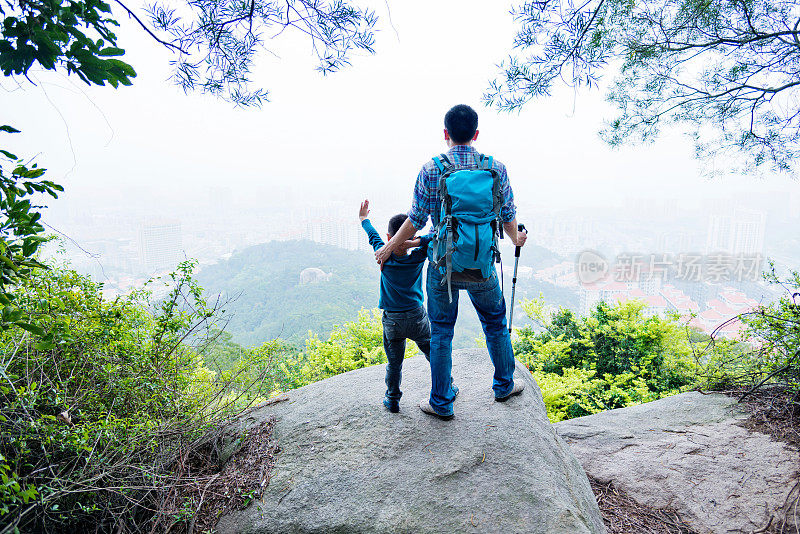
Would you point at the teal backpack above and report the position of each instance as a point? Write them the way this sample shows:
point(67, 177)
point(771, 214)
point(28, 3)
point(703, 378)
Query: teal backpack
point(466, 234)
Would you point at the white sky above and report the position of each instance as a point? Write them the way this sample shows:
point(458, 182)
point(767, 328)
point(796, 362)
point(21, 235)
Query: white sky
point(363, 132)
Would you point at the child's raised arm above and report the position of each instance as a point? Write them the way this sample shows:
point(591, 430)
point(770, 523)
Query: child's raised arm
point(374, 237)
point(364, 210)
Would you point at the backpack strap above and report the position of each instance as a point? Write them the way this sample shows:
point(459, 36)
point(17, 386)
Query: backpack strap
point(448, 258)
point(484, 162)
point(445, 163)
point(497, 195)
point(487, 163)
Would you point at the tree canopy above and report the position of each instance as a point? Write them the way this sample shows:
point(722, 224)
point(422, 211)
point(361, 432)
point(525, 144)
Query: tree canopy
point(726, 70)
point(214, 42)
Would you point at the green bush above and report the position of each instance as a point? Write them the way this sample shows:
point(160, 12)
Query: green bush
point(21, 228)
point(350, 346)
point(768, 352)
point(96, 410)
point(615, 357)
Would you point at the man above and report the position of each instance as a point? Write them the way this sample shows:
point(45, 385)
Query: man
point(461, 129)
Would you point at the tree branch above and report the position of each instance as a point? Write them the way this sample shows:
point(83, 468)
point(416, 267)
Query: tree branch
point(150, 32)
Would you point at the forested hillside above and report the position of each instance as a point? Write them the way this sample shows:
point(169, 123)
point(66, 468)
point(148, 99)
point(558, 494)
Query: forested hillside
point(271, 302)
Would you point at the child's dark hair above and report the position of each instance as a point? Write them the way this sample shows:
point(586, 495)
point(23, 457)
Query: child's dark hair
point(461, 123)
point(396, 222)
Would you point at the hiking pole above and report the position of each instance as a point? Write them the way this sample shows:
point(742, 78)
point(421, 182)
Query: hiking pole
point(520, 228)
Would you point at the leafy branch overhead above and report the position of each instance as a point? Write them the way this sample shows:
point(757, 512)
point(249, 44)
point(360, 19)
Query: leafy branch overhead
point(215, 42)
point(727, 70)
point(216, 46)
point(51, 33)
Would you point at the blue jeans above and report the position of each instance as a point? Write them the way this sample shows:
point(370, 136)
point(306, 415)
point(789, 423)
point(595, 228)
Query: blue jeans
point(397, 327)
point(487, 298)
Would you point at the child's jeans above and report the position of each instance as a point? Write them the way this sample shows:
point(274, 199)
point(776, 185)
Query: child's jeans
point(397, 327)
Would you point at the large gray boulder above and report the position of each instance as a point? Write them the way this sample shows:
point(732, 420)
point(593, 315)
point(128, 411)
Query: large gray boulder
point(347, 465)
point(689, 452)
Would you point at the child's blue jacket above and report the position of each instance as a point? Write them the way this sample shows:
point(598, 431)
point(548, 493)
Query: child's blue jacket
point(401, 277)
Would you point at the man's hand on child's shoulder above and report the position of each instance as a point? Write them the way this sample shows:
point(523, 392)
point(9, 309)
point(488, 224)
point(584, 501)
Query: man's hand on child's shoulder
point(411, 243)
point(364, 210)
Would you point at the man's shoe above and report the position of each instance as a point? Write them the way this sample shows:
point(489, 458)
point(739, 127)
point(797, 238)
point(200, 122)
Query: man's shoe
point(426, 407)
point(392, 405)
point(455, 390)
point(516, 390)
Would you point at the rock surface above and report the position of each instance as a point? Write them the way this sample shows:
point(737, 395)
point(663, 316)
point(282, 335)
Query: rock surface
point(348, 465)
point(689, 453)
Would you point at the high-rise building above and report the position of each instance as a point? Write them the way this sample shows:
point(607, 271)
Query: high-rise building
point(737, 232)
point(749, 235)
point(719, 233)
point(160, 245)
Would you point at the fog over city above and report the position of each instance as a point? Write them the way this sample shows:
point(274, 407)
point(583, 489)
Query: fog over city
point(153, 176)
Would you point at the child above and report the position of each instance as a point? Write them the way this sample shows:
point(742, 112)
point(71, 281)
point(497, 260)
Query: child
point(401, 299)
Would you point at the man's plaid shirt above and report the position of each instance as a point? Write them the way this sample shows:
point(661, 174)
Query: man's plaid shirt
point(426, 200)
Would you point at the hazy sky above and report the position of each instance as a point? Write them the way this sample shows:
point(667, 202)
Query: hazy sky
point(358, 133)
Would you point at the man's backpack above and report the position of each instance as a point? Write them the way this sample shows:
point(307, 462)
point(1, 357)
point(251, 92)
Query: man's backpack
point(465, 237)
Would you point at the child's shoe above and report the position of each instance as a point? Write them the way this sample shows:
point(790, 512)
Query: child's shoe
point(391, 404)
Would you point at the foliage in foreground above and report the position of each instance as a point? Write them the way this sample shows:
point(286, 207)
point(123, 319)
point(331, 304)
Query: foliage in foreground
point(615, 357)
point(105, 405)
point(771, 355)
point(351, 346)
point(21, 229)
point(101, 414)
point(619, 356)
point(96, 414)
point(776, 329)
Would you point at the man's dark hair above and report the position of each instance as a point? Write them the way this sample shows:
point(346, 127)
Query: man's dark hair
point(461, 123)
point(396, 222)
